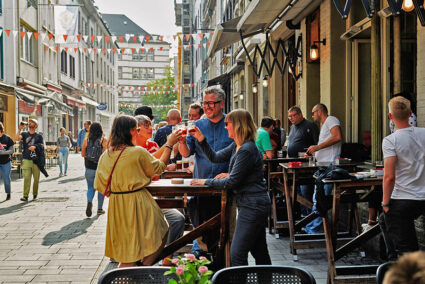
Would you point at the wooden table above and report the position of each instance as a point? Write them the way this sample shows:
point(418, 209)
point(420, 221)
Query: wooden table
point(292, 177)
point(176, 174)
point(164, 188)
point(350, 188)
point(273, 224)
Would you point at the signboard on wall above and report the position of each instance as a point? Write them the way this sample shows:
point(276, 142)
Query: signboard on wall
point(102, 106)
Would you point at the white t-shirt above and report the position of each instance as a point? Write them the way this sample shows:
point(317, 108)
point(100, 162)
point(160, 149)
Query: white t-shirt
point(408, 145)
point(331, 153)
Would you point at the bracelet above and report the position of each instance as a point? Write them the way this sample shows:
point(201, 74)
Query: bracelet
point(168, 146)
point(385, 205)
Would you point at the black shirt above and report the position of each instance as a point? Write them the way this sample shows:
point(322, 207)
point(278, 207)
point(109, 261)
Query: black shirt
point(6, 142)
point(302, 136)
point(29, 140)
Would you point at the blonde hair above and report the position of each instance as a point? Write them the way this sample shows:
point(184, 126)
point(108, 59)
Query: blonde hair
point(243, 125)
point(409, 269)
point(399, 107)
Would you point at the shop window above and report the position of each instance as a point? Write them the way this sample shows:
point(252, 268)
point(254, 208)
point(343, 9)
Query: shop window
point(313, 31)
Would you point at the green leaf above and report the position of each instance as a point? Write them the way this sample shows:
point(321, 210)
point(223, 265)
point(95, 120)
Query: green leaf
point(172, 281)
point(168, 272)
point(188, 277)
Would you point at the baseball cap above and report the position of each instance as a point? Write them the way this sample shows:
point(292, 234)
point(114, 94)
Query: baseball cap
point(144, 110)
point(33, 120)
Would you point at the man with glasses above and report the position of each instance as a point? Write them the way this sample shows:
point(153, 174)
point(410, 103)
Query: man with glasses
point(204, 208)
point(302, 134)
point(31, 140)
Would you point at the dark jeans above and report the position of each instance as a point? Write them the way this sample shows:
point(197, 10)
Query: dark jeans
point(398, 227)
point(250, 231)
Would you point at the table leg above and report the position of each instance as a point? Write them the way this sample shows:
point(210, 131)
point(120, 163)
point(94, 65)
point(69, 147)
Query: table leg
point(329, 250)
point(335, 213)
point(290, 215)
point(224, 243)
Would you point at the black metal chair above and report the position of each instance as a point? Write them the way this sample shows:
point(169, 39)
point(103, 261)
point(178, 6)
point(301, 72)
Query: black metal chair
point(136, 275)
point(264, 274)
point(380, 272)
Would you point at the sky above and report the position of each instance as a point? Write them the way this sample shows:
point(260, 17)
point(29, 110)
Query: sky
point(154, 16)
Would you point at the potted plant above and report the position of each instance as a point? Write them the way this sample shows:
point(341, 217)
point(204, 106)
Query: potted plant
point(190, 270)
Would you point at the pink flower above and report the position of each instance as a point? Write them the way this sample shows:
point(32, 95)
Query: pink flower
point(190, 257)
point(202, 269)
point(202, 258)
point(175, 261)
point(181, 266)
point(180, 271)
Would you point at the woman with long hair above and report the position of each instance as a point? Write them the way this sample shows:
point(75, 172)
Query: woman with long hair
point(136, 229)
point(64, 143)
point(96, 144)
point(246, 182)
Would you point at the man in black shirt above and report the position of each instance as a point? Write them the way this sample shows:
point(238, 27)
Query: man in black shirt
point(31, 140)
point(302, 134)
point(6, 150)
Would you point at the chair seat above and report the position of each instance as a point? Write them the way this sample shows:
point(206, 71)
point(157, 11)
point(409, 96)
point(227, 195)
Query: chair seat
point(137, 275)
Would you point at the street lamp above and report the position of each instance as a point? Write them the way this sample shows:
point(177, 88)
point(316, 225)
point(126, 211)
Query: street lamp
point(265, 81)
point(408, 6)
point(254, 88)
point(314, 49)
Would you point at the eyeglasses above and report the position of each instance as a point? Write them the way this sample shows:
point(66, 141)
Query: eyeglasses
point(210, 104)
point(314, 111)
point(138, 129)
point(226, 123)
point(147, 125)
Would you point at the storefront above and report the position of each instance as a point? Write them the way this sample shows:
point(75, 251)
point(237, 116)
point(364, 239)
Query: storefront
point(8, 108)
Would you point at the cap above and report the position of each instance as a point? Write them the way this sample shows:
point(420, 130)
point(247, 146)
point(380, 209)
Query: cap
point(33, 120)
point(144, 110)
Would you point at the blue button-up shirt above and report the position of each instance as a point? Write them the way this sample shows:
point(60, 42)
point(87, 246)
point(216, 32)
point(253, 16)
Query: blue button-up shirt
point(161, 135)
point(81, 137)
point(218, 138)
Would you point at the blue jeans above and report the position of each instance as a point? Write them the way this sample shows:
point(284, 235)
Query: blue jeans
point(5, 174)
point(63, 158)
point(316, 226)
point(90, 175)
point(306, 191)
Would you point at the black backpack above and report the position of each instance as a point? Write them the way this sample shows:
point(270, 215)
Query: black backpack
point(94, 150)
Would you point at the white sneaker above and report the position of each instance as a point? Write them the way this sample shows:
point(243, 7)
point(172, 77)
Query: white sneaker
point(61, 175)
point(366, 227)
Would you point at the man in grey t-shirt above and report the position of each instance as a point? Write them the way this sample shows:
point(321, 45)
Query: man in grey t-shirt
point(403, 198)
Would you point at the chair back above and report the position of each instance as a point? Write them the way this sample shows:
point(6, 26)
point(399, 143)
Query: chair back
point(136, 275)
point(264, 274)
point(380, 272)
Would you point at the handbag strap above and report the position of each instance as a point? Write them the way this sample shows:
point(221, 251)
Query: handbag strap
point(110, 176)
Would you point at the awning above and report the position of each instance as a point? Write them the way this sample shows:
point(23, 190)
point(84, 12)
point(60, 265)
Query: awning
point(225, 34)
point(220, 79)
point(261, 14)
point(25, 97)
point(237, 67)
point(75, 102)
point(89, 101)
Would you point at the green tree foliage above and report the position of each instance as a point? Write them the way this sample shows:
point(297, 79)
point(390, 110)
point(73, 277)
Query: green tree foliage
point(164, 98)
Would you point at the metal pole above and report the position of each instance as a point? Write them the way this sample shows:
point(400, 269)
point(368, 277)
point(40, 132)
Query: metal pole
point(376, 96)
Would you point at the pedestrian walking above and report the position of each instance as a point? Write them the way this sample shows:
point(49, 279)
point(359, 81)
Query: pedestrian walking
point(6, 150)
point(136, 228)
point(245, 181)
point(62, 150)
point(93, 147)
point(84, 132)
point(33, 146)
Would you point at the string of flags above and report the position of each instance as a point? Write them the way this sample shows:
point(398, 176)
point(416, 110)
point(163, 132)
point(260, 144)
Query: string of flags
point(141, 89)
point(132, 106)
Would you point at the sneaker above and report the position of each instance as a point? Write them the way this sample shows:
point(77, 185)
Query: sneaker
point(366, 227)
point(88, 209)
point(24, 198)
point(100, 212)
point(61, 175)
point(34, 197)
point(65, 174)
point(8, 196)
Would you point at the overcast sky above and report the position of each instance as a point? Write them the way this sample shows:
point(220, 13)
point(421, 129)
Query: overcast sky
point(154, 16)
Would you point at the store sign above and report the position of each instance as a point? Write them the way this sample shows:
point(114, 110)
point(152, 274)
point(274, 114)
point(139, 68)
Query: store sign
point(3, 103)
point(102, 107)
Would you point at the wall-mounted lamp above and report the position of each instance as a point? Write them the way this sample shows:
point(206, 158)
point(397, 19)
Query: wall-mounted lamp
point(408, 6)
point(254, 88)
point(314, 49)
point(241, 96)
point(265, 81)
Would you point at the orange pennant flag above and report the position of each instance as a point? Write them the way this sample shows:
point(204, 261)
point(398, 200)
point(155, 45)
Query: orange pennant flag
point(121, 38)
point(75, 49)
point(92, 38)
point(7, 32)
point(135, 38)
point(147, 38)
point(79, 38)
point(85, 49)
point(107, 39)
point(57, 48)
point(161, 38)
point(50, 36)
point(36, 35)
point(65, 37)
point(208, 43)
point(104, 51)
point(151, 49)
point(142, 50)
point(66, 49)
point(161, 48)
point(94, 50)
point(132, 50)
point(201, 36)
point(46, 47)
point(23, 34)
point(199, 45)
point(114, 50)
point(122, 50)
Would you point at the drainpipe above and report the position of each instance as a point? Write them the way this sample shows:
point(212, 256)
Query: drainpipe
point(376, 96)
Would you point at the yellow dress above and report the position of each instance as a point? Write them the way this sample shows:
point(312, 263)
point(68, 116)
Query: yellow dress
point(136, 225)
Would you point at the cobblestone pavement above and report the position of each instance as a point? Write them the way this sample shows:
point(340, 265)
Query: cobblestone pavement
point(51, 240)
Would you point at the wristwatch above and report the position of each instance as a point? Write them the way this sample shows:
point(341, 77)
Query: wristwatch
point(169, 146)
point(385, 205)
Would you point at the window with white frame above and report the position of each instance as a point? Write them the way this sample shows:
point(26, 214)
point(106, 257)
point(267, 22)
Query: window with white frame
point(151, 55)
point(150, 73)
point(119, 72)
point(135, 73)
point(27, 47)
point(72, 67)
point(64, 65)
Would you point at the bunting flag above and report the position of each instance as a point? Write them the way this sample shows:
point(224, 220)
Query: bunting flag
point(36, 35)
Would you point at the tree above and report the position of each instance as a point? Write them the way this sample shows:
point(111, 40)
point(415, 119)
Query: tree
point(168, 96)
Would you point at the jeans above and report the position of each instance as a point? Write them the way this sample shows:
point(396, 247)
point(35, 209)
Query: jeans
point(305, 191)
point(175, 221)
point(250, 231)
point(398, 226)
point(90, 175)
point(29, 168)
point(5, 174)
point(316, 226)
point(63, 158)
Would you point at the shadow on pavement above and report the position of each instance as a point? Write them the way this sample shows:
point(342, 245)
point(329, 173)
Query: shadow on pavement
point(49, 179)
point(72, 179)
point(13, 208)
point(69, 231)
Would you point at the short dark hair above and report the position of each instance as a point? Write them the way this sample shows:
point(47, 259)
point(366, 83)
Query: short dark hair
point(144, 110)
point(198, 107)
point(294, 108)
point(267, 121)
point(120, 131)
point(322, 107)
point(88, 122)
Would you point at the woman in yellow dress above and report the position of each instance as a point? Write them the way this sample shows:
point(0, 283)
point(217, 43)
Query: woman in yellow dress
point(136, 228)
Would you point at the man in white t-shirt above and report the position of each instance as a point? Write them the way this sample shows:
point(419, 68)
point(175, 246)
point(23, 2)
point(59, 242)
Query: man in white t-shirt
point(327, 150)
point(403, 198)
